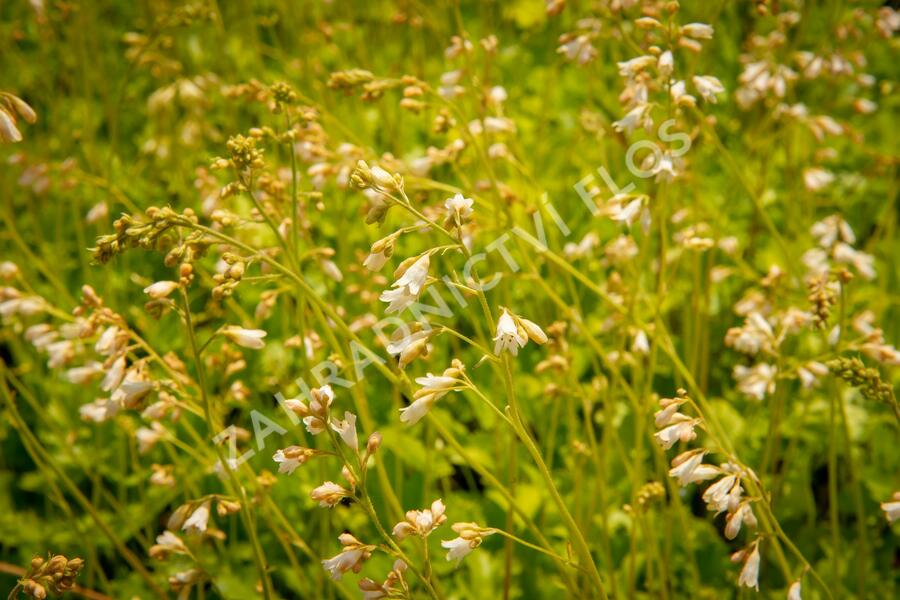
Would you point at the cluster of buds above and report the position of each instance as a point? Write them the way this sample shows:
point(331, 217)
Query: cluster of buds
point(470, 536)
point(134, 233)
point(366, 177)
point(229, 277)
point(351, 558)
point(244, 155)
point(315, 414)
point(348, 80)
point(649, 493)
point(10, 107)
point(412, 101)
point(55, 575)
point(283, 94)
point(395, 586)
point(421, 522)
point(822, 297)
point(867, 379)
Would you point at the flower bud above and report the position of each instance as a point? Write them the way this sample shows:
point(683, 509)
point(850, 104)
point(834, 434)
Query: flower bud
point(373, 443)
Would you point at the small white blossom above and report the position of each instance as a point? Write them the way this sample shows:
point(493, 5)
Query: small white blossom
point(247, 338)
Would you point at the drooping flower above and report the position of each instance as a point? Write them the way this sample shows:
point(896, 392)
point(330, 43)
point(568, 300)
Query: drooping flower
point(433, 388)
point(743, 514)
point(199, 519)
point(688, 468)
point(290, 458)
point(723, 495)
point(408, 286)
point(346, 428)
point(247, 338)
point(708, 87)
point(160, 289)
point(698, 31)
point(353, 554)
point(167, 543)
point(508, 337)
point(470, 536)
point(756, 381)
point(681, 428)
point(329, 494)
point(892, 509)
point(750, 572)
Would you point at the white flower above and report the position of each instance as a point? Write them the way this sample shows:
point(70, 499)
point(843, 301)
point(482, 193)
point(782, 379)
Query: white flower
point(290, 458)
point(719, 496)
point(750, 573)
point(815, 179)
point(375, 260)
point(199, 519)
point(509, 336)
point(698, 31)
point(414, 413)
point(113, 377)
point(666, 63)
point(832, 229)
point(681, 429)
point(147, 437)
point(167, 543)
point(109, 341)
point(630, 68)
point(470, 537)
point(99, 410)
point(756, 381)
point(755, 335)
point(347, 430)
point(639, 116)
point(862, 262)
point(160, 289)
point(794, 591)
point(736, 519)
point(353, 554)
point(688, 468)
point(407, 288)
point(458, 205)
point(285, 464)
point(810, 373)
point(458, 548)
point(8, 270)
point(708, 87)
point(628, 213)
point(892, 509)
point(328, 494)
point(421, 522)
point(84, 374)
point(248, 338)
point(343, 562)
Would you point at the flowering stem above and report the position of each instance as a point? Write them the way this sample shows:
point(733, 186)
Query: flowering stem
point(366, 503)
point(580, 544)
point(519, 540)
point(213, 428)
